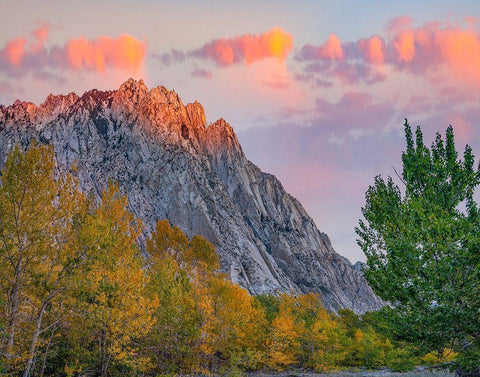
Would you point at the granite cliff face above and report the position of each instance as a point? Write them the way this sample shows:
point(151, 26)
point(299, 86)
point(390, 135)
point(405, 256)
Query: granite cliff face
point(173, 166)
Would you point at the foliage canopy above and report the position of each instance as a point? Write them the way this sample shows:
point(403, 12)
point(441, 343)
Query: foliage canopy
point(422, 244)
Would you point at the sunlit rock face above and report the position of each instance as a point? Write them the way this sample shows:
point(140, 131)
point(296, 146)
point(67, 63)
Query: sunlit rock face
point(172, 165)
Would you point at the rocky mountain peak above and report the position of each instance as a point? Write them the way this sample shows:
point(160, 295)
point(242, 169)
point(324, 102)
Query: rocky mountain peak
point(158, 111)
point(172, 166)
point(133, 86)
point(135, 92)
point(221, 138)
point(56, 104)
point(196, 115)
point(132, 91)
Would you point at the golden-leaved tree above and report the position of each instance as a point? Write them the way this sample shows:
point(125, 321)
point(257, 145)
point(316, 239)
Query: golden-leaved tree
point(321, 340)
point(109, 309)
point(204, 321)
point(38, 256)
point(233, 325)
point(172, 339)
point(286, 329)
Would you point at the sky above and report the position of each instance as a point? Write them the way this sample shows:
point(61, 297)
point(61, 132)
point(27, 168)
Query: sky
point(317, 91)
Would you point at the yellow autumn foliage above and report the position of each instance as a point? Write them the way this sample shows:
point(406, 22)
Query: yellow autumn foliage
point(78, 297)
point(439, 357)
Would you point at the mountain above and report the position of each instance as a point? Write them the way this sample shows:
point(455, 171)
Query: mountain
point(173, 166)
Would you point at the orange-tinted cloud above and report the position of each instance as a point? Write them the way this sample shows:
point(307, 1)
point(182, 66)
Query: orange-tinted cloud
point(22, 55)
point(125, 52)
point(247, 48)
point(438, 52)
point(331, 49)
point(404, 44)
point(373, 49)
point(459, 49)
point(17, 49)
point(14, 51)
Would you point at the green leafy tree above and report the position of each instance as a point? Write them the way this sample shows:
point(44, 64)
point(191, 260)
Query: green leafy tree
point(422, 244)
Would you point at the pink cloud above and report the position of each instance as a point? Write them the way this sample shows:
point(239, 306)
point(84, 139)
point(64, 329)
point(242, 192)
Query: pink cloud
point(355, 110)
point(435, 50)
point(464, 122)
point(21, 56)
point(247, 48)
point(330, 50)
point(346, 72)
point(462, 128)
point(438, 53)
point(41, 36)
point(349, 73)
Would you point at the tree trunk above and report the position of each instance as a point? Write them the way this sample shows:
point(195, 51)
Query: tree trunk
point(13, 311)
point(33, 344)
point(45, 355)
point(104, 355)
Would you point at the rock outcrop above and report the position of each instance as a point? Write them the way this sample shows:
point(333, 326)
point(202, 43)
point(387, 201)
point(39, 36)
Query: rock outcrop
point(173, 166)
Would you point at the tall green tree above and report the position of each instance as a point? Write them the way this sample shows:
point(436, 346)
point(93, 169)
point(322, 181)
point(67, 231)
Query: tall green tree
point(422, 243)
